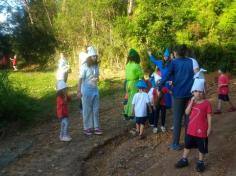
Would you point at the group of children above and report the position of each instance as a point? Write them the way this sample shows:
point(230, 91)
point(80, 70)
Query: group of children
point(199, 112)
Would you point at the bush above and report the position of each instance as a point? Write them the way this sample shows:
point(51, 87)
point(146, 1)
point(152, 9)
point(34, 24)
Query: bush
point(15, 105)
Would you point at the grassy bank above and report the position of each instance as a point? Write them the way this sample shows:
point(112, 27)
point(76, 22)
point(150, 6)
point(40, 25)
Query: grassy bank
point(30, 96)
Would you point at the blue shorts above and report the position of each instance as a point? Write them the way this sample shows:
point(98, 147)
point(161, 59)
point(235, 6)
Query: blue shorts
point(141, 120)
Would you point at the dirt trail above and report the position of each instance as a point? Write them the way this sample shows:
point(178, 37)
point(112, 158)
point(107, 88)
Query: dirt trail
point(118, 152)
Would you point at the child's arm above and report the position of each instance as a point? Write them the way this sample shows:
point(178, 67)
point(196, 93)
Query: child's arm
point(79, 88)
point(189, 107)
point(133, 110)
point(209, 124)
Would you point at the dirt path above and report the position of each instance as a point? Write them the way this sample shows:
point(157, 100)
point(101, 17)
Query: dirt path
point(117, 152)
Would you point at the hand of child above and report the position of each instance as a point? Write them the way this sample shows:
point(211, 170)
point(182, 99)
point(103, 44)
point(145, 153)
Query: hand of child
point(192, 99)
point(149, 53)
point(208, 131)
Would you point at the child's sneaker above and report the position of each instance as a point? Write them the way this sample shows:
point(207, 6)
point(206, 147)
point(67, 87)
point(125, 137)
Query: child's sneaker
point(232, 109)
point(66, 139)
point(217, 112)
point(163, 129)
point(200, 166)
point(182, 163)
point(155, 130)
point(88, 132)
point(98, 131)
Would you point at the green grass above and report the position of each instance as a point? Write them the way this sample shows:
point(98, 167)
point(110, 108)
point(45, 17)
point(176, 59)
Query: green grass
point(36, 90)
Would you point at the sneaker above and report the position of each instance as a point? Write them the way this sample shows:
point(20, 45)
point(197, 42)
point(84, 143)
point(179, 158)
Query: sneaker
point(155, 130)
point(88, 132)
point(163, 129)
point(66, 139)
point(200, 166)
point(232, 109)
point(217, 112)
point(98, 131)
point(175, 146)
point(182, 163)
point(172, 128)
point(151, 125)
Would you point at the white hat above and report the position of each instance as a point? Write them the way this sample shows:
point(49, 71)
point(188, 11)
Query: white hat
point(61, 85)
point(91, 51)
point(200, 74)
point(199, 85)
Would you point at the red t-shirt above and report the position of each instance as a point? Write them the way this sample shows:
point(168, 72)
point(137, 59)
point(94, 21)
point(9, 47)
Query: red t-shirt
point(62, 107)
point(155, 95)
point(223, 79)
point(198, 123)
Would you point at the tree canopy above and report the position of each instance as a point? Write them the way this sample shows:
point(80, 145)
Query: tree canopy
point(42, 28)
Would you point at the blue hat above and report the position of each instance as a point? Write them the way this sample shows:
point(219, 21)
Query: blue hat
point(167, 53)
point(141, 84)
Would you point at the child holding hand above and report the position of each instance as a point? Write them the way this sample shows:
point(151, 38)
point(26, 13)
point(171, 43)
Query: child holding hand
point(62, 110)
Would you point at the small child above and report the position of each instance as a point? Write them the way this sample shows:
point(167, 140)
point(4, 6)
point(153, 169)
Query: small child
point(223, 91)
point(62, 110)
point(159, 102)
point(140, 102)
point(199, 126)
point(14, 63)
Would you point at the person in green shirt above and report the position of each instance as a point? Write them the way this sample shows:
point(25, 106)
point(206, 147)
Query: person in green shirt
point(133, 72)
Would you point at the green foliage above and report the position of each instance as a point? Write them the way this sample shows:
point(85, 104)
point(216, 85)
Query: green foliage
point(66, 25)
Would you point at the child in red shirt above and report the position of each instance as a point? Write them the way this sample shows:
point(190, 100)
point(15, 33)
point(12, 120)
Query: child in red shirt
point(223, 91)
point(14, 63)
point(199, 125)
point(62, 110)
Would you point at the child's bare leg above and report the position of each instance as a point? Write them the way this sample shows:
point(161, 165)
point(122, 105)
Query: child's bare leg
point(137, 128)
point(201, 155)
point(141, 129)
point(219, 105)
point(186, 152)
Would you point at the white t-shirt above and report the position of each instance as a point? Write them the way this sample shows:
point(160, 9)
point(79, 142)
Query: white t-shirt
point(150, 95)
point(140, 101)
point(195, 63)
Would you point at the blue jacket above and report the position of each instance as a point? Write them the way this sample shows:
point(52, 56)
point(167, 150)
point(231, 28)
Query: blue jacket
point(159, 63)
point(181, 70)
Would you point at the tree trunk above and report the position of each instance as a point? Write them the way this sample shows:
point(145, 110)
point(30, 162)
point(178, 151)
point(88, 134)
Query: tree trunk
point(130, 7)
point(46, 10)
point(27, 8)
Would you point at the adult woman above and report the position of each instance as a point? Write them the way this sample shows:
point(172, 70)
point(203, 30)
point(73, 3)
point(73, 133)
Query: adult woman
point(88, 90)
point(133, 72)
point(181, 70)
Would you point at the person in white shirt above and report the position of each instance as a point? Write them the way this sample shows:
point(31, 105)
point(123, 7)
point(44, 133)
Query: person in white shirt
point(83, 56)
point(139, 104)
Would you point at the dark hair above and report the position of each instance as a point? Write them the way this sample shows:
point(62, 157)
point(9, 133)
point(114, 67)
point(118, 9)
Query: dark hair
point(134, 59)
point(181, 50)
point(223, 69)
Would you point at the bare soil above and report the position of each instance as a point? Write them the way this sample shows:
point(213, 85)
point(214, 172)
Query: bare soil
point(117, 152)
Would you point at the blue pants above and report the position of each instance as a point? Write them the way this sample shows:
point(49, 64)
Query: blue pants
point(180, 105)
point(64, 127)
point(90, 111)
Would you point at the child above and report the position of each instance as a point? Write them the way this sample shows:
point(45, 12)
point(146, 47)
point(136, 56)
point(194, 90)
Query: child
point(139, 104)
point(62, 110)
point(199, 125)
point(14, 63)
point(159, 102)
point(223, 91)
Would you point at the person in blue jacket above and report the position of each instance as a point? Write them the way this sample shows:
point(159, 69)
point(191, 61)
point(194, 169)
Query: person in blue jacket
point(182, 72)
point(162, 65)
